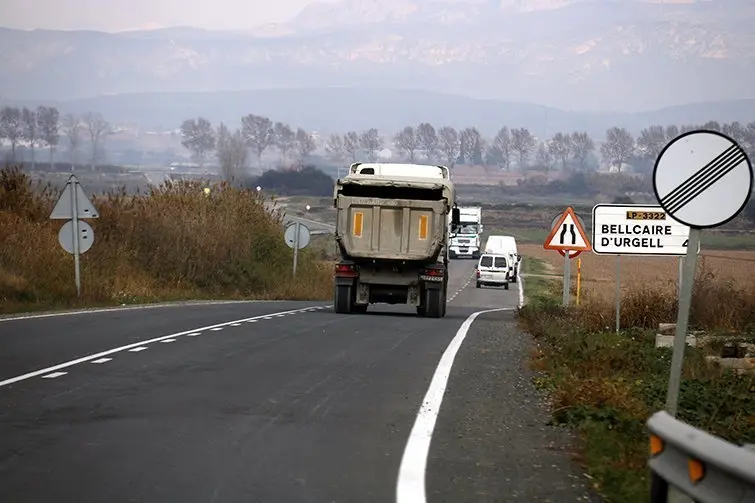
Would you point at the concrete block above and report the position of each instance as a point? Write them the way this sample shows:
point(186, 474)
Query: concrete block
point(667, 341)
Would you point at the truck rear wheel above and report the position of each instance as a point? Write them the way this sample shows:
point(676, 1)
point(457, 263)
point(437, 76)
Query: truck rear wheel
point(343, 301)
point(433, 303)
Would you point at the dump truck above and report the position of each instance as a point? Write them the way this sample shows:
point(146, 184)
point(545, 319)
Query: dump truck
point(392, 232)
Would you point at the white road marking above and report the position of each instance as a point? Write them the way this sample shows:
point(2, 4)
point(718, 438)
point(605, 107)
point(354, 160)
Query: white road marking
point(251, 321)
point(128, 308)
point(235, 324)
point(168, 340)
point(267, 318)
point(216, 329)
point(137, 346)
point(101, 360)
point(194, 334)
point(521, 291)
point(410, 487)
point(54, 375)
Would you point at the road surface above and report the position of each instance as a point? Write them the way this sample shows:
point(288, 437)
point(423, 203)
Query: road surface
point(278, 402)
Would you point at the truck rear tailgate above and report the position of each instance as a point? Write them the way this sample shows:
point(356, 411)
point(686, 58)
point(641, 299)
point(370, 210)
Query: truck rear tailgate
point(391, 228)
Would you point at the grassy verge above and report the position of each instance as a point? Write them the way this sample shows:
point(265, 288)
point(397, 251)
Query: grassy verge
point(172, 243)
point(606, 385)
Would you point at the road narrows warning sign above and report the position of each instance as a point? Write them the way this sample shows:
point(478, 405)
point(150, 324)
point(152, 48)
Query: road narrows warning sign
point(568, 234)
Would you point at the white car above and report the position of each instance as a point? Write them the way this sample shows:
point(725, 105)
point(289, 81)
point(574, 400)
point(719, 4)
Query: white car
point(494, 270)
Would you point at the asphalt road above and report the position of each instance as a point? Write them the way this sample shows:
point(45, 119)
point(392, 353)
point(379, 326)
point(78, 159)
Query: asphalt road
point(278, 402)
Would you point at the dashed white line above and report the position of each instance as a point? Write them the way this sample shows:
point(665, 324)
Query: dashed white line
point(235, 324)
point(165, 341)
point(216, 329)
point(410, 487)
point(193, 334)
point(251, 321)
point(54, 375)
point(101, 360)
point(135, 347)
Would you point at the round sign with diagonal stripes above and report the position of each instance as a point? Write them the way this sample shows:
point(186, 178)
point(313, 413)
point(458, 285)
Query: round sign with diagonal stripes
point(703, 179)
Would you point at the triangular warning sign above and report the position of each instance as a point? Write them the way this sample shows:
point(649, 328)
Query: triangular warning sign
point(63, 209)
point(568, 234)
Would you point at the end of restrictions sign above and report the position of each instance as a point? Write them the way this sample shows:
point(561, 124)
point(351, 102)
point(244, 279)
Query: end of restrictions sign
point(633, 229)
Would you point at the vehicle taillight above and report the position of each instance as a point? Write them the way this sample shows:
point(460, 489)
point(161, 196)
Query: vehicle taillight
point(345, 270)
point(434, 272)
point(477, 273)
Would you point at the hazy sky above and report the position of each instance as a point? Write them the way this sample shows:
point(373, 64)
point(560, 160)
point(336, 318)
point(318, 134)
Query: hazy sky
point(116, 15)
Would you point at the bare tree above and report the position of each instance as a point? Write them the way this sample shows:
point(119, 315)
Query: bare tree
point(305, 145)
point(471, 146)
point(98, 128)
point(285, 138)
point(351, 145)
point(427, 140)
point(29, 123)
point(544, 156)
point(581, 146)
point(450, 144)
point(618, 147)
point(335, 147)
point(560, 147)
point(72, 127)
point(232, 153)
point(651, 141)
point(49, 132)
point(672, 132)
point(499, 152)
point(258, 134)
point(199, 138)
point(522, 143)
point(11, 128)
point(406, 142)
point(371, 142)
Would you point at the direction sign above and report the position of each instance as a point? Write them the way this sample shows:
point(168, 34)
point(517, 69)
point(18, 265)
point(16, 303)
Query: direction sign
point(86, 237)
point(635, 229)
point(290, 235)
point(63, 209)
point(567, 234)
point(703, 179)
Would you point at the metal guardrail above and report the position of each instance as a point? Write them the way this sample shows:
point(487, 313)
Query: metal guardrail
point(690, 465)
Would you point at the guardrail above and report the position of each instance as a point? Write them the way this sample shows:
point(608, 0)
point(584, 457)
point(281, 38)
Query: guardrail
point(690, 465)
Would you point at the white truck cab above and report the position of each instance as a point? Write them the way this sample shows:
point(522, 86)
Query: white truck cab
point(493, 269)
point(467, 240)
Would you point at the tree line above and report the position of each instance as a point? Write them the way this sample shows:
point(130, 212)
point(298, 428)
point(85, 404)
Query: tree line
point(43, 127)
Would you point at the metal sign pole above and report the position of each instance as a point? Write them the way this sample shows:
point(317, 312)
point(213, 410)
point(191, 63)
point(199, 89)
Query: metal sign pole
point(618, 293)
point(296, 246)
point(682, 320)
point(567, 279)
point(75, 223)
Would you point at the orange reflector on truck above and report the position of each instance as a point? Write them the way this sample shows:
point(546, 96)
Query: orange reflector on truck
point(696, 470)
point(423, 227)
point(358, 220)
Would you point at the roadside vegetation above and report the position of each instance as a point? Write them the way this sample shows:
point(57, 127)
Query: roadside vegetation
point(606, 385)
point(173, 242)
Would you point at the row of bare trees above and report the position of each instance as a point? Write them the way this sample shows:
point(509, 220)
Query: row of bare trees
point(43, 127)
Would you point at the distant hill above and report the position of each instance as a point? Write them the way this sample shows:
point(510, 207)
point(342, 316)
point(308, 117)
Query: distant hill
point(343, 109)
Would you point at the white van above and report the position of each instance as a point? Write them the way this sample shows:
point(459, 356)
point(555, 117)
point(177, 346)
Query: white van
point(494, 270)
point(505, 245)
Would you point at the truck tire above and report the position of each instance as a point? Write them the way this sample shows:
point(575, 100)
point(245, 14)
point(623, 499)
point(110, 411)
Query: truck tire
point(343, 301)
point(433, 302)
point(359, 308)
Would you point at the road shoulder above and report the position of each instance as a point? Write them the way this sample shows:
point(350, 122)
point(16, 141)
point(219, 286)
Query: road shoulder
point(492, 441)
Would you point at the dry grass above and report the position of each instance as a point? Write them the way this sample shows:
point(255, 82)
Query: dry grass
point(724, 293)
point(171, 243)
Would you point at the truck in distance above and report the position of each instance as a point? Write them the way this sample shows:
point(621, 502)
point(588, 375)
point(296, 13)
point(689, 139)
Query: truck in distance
point(393, 223)
point(466, 241)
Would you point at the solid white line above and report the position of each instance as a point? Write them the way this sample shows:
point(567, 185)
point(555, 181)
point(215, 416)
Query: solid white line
point(410, 487)
point(521, 291)
point(54, 375)
point(130, 308)
point(102, 360)
point(129, 347)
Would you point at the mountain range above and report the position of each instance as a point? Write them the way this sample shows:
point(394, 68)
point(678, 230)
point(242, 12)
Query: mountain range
point(586, 55)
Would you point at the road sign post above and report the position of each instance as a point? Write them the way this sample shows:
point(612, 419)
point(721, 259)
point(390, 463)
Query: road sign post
point(296, 237)
point(567, 236)
point(635, 229)
point(702, 179)
point(76, 236)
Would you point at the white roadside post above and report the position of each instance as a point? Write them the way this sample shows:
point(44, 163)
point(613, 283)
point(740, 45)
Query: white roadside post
point(635, 229)
point(75, 236)
point(702, 179)
point(296, 237)
point(568, 237)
